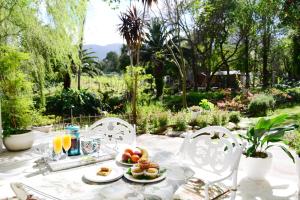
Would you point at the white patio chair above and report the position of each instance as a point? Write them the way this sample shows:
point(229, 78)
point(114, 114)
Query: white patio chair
point(214, 153)
point(114, 131)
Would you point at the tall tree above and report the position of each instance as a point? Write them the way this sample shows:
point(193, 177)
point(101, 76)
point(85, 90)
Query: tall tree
point(268, 12)
point(111, 62)
point(132, 31)
point(155, 50)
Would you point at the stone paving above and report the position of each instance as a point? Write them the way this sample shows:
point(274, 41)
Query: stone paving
point(280, 184)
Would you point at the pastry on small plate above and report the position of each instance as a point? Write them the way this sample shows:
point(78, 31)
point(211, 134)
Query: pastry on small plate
point(104, 171)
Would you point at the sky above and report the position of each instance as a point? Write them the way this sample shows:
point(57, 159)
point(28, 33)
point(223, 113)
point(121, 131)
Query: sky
point(102, 22)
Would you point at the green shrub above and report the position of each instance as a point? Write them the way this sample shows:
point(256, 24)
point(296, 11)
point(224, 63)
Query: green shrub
point(150, 117)
point(163, 119)
point(295, 94)
point(235, 117)
point(38, 119)
point(260, 105)
point(82, 102)
point(180, 122)
point(206, 105)
point(219, 117)
point(16, 90)
point(202, 121)
point(292, 139)
point(174, 102)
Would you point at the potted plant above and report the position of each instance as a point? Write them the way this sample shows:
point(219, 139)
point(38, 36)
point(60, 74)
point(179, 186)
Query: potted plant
point(293, 141)
point(195, 111)
point(264, 135)
point(42, 123)
point(17, 103)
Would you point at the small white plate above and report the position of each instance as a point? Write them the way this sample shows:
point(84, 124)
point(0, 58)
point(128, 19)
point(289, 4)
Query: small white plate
point(131, 178)
point(116, 173)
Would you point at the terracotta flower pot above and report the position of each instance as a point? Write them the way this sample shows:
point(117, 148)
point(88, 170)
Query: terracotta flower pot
point(19, 142)
point(258, 168)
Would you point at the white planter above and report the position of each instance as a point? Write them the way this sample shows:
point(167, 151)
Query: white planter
point(297, 160)
point(257, 168)
point(45, 129)
point(19, 142)
point(195, 114)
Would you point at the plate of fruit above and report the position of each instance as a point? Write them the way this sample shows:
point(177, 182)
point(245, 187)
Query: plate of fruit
point(145, 172)
point(130, 157)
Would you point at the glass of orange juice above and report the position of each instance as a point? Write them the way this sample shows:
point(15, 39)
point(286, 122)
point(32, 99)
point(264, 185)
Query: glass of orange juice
point(66, 142)
point(57, 145)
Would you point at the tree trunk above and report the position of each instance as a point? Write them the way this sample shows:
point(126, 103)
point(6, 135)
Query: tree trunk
point(79, 78)
point(184, 101)
point(134, 98)
point(194, 68)
point(159, 79)
point(246, 61)
point(265, 54)
point(67, 81)
point(228, 75)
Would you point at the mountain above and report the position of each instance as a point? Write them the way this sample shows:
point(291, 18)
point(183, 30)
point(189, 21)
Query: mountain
point(101, 51)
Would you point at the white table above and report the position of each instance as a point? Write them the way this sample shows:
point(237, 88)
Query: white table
point(69, 184)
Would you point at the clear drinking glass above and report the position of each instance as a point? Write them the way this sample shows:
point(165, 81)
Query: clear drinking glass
point(97, 144)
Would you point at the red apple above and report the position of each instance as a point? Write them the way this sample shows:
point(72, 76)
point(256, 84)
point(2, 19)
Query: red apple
point(126, 156)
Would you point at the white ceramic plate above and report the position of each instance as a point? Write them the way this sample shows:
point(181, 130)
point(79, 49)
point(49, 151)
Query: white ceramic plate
point(160, 178)
point(119, 160)
point(115, 174)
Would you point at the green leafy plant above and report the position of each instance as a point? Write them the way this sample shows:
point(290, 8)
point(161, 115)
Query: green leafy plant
point(180, 122)
point(16, 90)
point(82, 102)
point(235, 117)
point(266, 134)
point(292, 139)
point(260, 105)
point(206, 105)
point(218, 117)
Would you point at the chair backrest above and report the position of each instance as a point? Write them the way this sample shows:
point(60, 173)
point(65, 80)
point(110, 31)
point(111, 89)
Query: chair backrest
point(213, 148)
point(114, 131)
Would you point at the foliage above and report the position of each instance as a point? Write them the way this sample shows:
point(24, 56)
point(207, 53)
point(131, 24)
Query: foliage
point(111, 62)
point(295, 94)
point(154, 52)
point(152, 118)
point(137, 82)
point(174, 102)
point(81, 102)
point(180, 123)
point(38, 119)
point(206, 105)
point(235, 117)
point(89, 64)
point(15, 90)
point(292, 139)
point(219, 117)
point(260, 105)
point(265, 134)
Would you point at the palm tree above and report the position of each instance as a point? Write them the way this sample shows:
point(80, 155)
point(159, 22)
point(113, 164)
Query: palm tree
point(89, 65)
point(132, 31)
point(155, 51)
